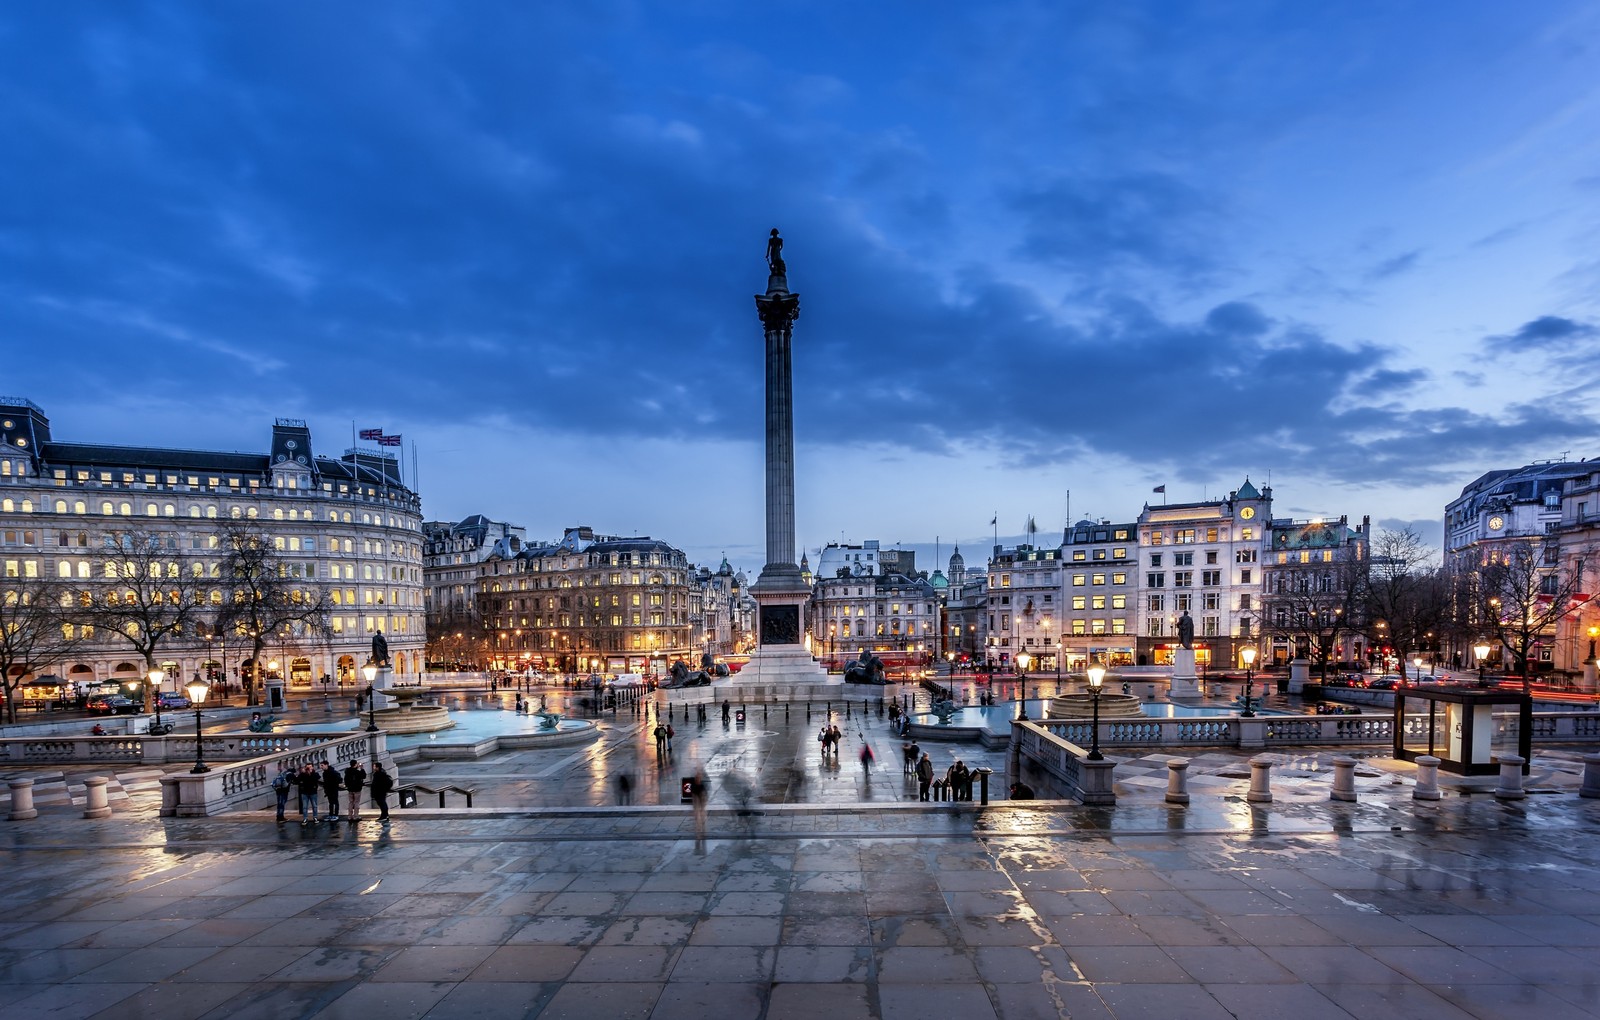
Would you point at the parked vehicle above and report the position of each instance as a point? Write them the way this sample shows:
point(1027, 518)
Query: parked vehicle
point(112, 705)
point(172, 699)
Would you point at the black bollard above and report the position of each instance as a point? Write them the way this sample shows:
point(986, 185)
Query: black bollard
point(880, 710)
point(786, 713)
point(763, 711)
point(847, 710)
point(808, 711)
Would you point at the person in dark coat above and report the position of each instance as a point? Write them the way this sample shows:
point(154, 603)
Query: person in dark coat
point(309, 783)
point(332, 785)
point(382, 783)
point(355, 779)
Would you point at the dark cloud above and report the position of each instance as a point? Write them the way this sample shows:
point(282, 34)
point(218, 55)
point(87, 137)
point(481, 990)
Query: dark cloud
point(1238, 318)
point(1390, 382)
point(1149, 220)
point(1548, 332)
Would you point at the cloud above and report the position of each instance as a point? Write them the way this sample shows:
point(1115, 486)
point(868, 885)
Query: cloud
point(1393, 266)
point(1546, 333)
point(1150, 220)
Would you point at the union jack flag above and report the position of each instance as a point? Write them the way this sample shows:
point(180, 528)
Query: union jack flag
point(384, 440)
point(372, 434)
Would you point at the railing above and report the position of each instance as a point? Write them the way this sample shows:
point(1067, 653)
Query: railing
point(248, 783)
point(1289, 730)
point(143, 749)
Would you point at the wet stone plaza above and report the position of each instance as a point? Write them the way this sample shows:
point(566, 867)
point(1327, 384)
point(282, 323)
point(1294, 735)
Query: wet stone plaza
point(826, 892)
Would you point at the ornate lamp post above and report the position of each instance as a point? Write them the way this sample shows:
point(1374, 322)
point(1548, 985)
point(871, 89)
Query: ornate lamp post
point(1097, 676)
point(1248, 654)
point(1481, 650)
point(1416, 663)
point(157, 675)
point(1594, 633)
point(1023, 658)
point(370, 671)
point(198, 689)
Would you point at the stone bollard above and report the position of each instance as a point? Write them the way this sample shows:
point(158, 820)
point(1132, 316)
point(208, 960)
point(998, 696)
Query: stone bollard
point(98, 806)
point(1260, 782)
point(1178, 781)
point(1591, 776)
point(1510, 787)
point(1344, 779)
point(22, 800)
point(1428, 778)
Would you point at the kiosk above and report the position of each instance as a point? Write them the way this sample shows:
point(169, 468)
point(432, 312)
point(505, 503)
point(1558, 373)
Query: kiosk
point(1457, 726)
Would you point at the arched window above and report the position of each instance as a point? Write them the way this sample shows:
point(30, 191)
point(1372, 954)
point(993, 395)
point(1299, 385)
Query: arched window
point(150, 510)
point(169, 510)
point(107, 509)
point(125, 509)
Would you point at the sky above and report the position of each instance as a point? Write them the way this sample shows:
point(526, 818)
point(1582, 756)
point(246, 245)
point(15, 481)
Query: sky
point(1049, 255)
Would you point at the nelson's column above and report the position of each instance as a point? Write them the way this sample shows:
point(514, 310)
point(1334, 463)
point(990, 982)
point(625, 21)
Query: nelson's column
point(781, 662)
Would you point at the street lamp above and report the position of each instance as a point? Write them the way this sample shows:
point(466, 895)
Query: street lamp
point(1481, 650)
point(1097, 676)
point(198, 689)
point(156, 676)
point(1594, 632)
point(1248, 654)
point(1023, 658)
point(370, 671)
point(1416, 663)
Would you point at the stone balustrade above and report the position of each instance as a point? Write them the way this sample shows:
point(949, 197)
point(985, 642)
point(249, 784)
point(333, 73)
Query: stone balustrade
point(243, 785)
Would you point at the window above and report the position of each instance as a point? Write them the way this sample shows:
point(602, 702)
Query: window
point(1211, 556)
point(1098, 579)
point(1211, 535)
point(1244, 577)
point(1208, 626)
point(1244, 601)
point(1155, 538)
point(1154, 627)
point(1119, 578)
point(1078, 580)
point(1099, 554)
point(1210, 578)
point(1078, 602)
point(1182, 578)
point(1155, 580)
point(1244, 556)
point(1077, 555)
point(1077, 628)
point(1119, 554)
point(1184, 536)
point(1099, 602)
point(1119, 602)
point(1183, 603)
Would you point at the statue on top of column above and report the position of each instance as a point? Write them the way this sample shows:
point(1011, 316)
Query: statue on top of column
point(775, 253)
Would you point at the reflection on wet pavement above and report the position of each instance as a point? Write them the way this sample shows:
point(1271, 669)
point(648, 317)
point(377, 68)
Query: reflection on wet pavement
point(836, 895)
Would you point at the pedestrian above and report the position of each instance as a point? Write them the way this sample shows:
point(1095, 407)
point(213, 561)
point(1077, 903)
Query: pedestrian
point(332, 786)
point(282, 783)
point(670, 735)
point(699, 791)
point(834, 736)
point(727, 711)
point(866, 757)
point(382, 783)
point(624, 788)
point(310, 786)
point(661, 739)
point(355, 778)
point(908, 755)
point(924, 776)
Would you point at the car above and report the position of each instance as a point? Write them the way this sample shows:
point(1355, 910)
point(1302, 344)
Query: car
point(1385, 683)
point(172, 699)
point(115, 704)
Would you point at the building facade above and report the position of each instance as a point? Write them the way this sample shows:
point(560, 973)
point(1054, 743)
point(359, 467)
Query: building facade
point(1314, 592)
point(347, 525)
point(589, 603)
point(1100, 563)
point(1203, 559)
point(893, 615)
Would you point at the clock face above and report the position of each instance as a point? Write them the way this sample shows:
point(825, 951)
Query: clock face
point(1496, 522)
point(1248, 512)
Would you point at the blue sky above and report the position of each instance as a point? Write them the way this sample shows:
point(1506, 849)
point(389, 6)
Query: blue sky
point(1041, 248)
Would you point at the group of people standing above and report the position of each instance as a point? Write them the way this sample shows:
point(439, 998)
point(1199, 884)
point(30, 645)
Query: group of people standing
point(311, 782)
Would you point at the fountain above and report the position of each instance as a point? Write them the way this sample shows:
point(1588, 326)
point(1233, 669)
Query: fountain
point(408, 716)
point(1081, 706)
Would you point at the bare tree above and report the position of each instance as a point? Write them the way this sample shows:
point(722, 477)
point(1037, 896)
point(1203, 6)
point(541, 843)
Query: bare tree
point(457, 633)
point(1314, 605)
point(1399, 581)
point(33, 634)
point(1521, 593)
point(263, 595)
point(148, 593)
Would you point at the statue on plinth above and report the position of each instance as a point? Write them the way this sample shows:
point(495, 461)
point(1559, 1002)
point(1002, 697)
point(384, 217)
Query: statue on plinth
point(1186, 630)
point(775, 254)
